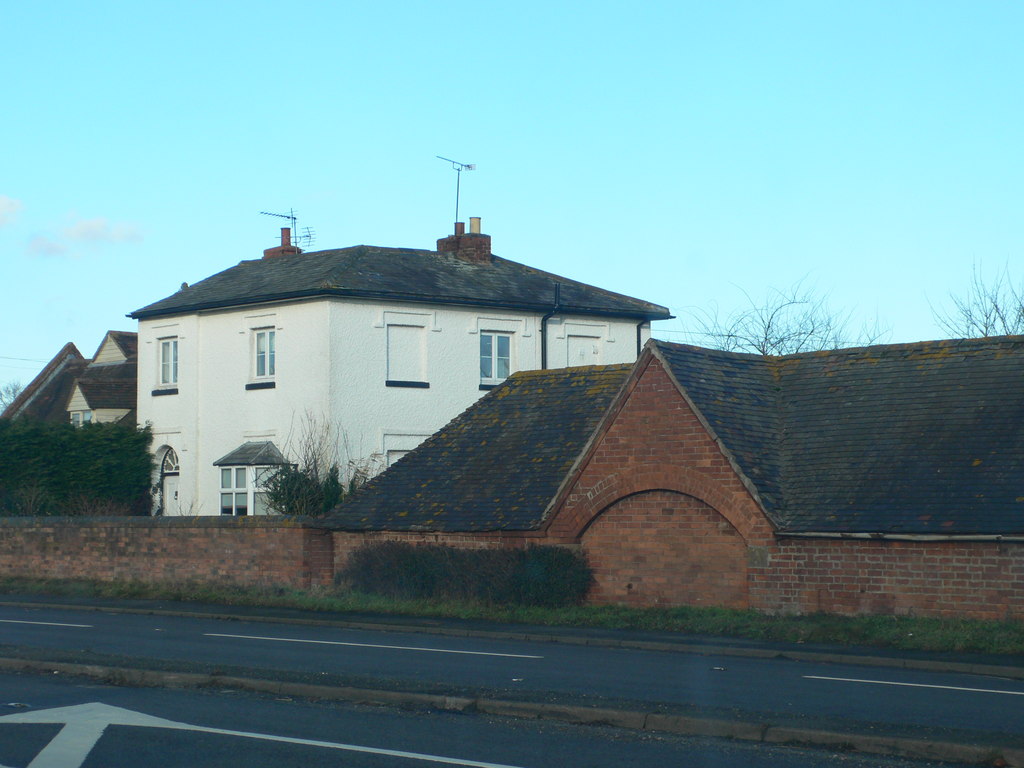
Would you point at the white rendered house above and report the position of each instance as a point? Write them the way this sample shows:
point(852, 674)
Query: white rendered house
point(383, 346)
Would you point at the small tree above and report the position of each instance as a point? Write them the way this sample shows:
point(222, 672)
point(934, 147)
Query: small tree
point(785, 322)
point(986, 308)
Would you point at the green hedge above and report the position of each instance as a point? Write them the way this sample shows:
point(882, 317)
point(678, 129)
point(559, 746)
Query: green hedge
point(58, 469)
point(536, 576)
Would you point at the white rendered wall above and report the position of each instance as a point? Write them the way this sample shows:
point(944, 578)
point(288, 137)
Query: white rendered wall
point(331, 366)
point(172, 418)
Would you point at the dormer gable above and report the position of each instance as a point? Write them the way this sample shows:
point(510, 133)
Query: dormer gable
point(116, 347)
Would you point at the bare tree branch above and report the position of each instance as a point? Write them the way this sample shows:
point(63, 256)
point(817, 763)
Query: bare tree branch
point(8, 392)
point(784, 323)
point(993, 308)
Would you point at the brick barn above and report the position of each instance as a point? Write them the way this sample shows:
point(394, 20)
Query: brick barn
point(885, 479)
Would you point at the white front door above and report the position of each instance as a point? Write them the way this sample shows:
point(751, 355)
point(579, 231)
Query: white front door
point(171, 506)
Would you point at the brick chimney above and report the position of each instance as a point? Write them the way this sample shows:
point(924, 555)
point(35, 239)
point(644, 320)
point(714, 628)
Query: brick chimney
point(285, 248)
point(473, 247)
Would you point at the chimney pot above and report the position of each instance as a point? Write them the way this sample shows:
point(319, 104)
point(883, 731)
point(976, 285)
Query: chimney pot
point(474, 225)
point(285, 248)
point(474, 247)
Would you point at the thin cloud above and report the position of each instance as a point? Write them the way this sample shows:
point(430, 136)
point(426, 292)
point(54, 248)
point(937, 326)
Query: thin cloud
point(9, 209)
point(100, 230)
point(44, 246)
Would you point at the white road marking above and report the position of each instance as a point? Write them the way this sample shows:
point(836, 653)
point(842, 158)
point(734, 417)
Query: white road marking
point(915, 685)
point(45, 623)
point(371, 645)
point(84, 725)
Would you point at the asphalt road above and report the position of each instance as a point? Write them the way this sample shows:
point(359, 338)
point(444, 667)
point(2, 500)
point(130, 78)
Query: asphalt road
point(51, 722)
point(825, 695)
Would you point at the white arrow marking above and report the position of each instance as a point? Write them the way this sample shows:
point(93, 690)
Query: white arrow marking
point(85, 723)
point(371, 645)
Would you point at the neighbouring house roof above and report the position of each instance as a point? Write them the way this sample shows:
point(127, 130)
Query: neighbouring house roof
point(112, 385)
point(398, 274)
point(104, 386)
point(46, 396)
point(115, 392)
point(498, 465)
point(923, 438)
point(253, 454)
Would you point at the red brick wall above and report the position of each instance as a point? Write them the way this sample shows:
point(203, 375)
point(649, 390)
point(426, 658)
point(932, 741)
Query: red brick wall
point(657, 505)
point(974, 579)
point(237, 550)
point(662, 548)
point(656, 442)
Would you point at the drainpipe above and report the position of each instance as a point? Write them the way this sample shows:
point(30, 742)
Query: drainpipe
point(544, 328)
point(639, 342)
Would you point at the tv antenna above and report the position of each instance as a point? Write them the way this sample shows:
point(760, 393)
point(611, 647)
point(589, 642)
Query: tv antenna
point(303, 239)
point(459, 168)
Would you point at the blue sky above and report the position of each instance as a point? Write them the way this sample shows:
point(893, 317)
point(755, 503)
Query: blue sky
point(681, 152)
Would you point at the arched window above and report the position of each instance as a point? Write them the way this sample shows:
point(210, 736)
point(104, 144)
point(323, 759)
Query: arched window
point(169, 464)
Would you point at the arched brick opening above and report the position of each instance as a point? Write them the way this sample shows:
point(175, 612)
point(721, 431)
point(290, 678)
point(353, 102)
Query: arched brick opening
point(660, 547)
point(734, 504)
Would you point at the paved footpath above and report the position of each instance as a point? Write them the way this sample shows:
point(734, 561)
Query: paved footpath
point(997, 729)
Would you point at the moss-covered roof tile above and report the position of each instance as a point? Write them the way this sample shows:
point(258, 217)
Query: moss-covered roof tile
point(498, 465)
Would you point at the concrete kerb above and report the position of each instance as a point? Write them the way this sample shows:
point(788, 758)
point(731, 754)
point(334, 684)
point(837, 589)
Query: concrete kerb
point(702, 649)
point(681, 725)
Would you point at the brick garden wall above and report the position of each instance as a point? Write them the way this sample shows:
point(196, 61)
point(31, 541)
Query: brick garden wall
point(257, 551)
point(672, 548)
point(977, 579)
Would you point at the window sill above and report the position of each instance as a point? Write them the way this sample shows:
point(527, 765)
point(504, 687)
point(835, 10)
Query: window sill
point(485, 386)
point(410, 384)
point(161, 392)
point(262, 385)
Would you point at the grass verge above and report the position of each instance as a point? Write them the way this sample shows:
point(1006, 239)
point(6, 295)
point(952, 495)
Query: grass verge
point(900, 632)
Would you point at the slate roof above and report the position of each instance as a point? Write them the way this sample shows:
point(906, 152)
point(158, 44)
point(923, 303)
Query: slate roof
point(923, 438)
point(398, 274)
point(495, 467)
point(253, 454)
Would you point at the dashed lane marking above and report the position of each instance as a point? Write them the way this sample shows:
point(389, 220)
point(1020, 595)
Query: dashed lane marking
point(371, 645)
point(915, 685)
